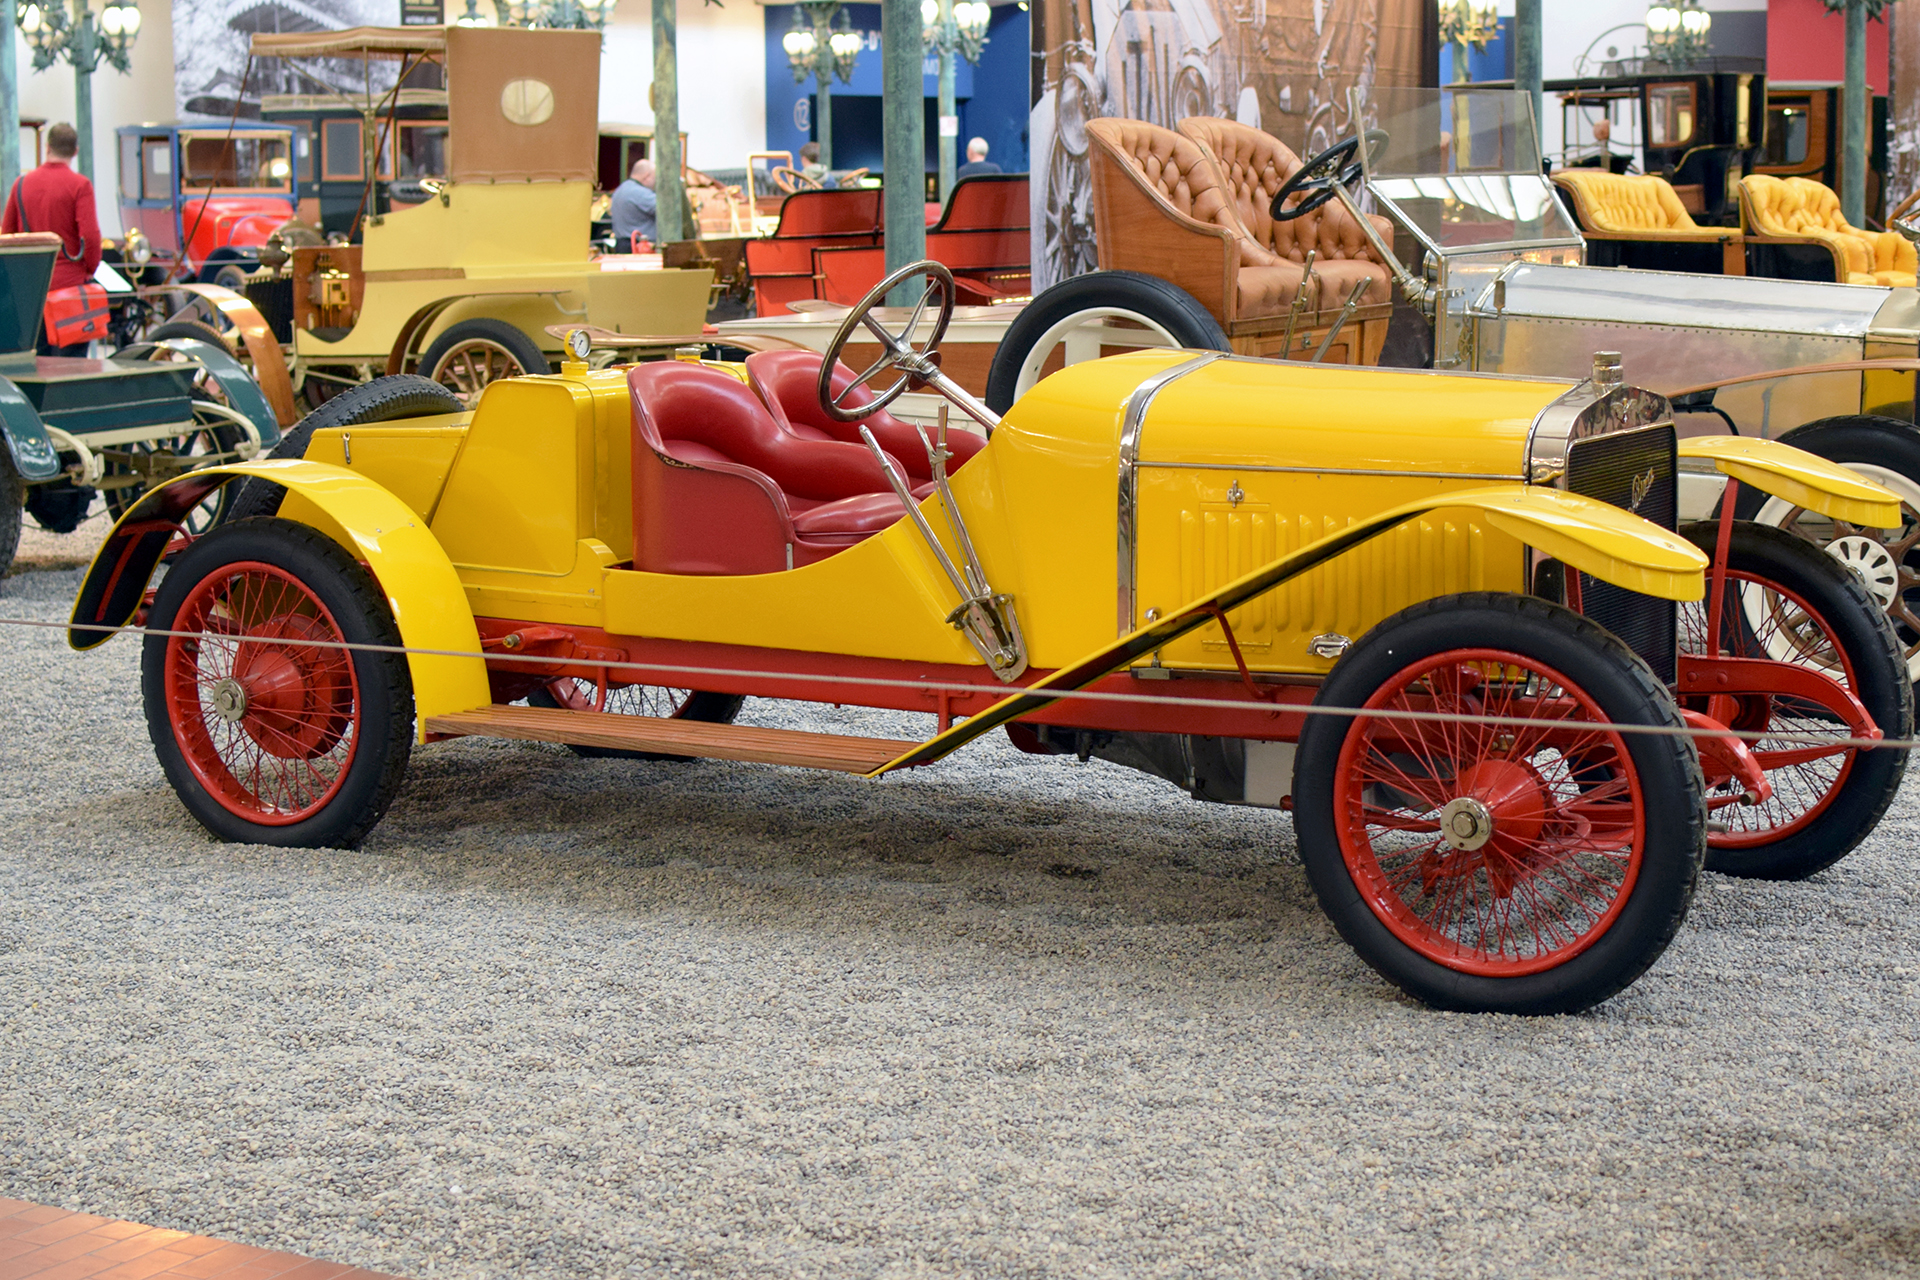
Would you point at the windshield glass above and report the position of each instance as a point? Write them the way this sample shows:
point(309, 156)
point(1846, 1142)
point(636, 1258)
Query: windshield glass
point(1460, 167)
point(251, 161)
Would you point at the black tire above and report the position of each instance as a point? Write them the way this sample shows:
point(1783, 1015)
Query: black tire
point(708, 708)
point(231, 275)
point(12, 504)
point(1625, 691)
point(1871, 441)
point(525, 352)
point(383, 714)
point(1856, 621)
point(59, 507)
point(182, 327)
point(1166, 304)
point(389, 399)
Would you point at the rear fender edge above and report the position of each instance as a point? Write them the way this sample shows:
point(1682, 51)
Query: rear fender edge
point(1604, 541)
point(242, 392)
point(34, 456)
point(422, 589)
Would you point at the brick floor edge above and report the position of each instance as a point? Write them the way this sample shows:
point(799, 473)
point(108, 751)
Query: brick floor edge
point(54, 1244)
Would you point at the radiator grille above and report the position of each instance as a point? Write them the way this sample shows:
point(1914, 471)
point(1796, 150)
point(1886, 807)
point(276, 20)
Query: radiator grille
point(1633, 470)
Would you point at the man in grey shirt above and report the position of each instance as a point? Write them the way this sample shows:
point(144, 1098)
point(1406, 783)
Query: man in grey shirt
point(634, 207)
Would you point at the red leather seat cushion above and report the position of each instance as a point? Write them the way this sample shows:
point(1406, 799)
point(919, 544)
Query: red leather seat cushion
point(789, 381)
point(720, 486)
point(849, 519)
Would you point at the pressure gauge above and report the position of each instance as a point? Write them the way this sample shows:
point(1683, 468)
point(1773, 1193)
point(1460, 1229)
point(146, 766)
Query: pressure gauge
point(580, 343)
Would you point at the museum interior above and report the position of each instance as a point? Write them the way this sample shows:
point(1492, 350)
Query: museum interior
point(977, 638)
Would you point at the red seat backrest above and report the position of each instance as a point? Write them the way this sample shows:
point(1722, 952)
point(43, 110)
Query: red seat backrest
point(830, 213)
point(788, 382)
point(990, 202)
point(696, 414)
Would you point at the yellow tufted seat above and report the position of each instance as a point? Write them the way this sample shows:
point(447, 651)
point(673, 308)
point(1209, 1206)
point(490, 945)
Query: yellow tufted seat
point(1645, 206)
point(1802, 210)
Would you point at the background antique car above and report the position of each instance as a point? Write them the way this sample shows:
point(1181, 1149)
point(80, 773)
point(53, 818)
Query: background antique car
point(73, 427)
point(206, 197)
point(463, 286)
point(1490, 263)
point(1140, 528)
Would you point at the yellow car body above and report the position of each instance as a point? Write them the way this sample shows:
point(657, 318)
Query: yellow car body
point(528, 501)
point(1188, 554)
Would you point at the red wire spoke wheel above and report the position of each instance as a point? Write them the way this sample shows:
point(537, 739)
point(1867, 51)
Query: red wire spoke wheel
point(269, 730)
point(1516, 866)
point(1490, 849)
point(1787, 602)
point(263, 706)
point(571, 693)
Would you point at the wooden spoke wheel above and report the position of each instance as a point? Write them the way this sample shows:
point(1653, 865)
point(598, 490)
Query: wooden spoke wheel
point(475, 353)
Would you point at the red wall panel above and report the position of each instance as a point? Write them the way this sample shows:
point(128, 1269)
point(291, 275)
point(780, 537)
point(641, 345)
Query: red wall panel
point(1806, 42)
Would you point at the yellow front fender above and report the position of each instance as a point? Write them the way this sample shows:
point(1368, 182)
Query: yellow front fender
point(1802, 478)
point(429, 605)
point(1604, 541)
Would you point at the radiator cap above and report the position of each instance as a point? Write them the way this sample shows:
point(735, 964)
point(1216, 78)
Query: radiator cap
point(1606, 370)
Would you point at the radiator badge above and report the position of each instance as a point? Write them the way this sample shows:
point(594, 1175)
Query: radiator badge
point(1642, 486)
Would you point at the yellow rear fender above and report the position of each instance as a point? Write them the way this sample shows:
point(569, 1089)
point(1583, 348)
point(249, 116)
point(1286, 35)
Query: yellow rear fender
point(429, 605)
point(1802, 478)
point(1610, 544)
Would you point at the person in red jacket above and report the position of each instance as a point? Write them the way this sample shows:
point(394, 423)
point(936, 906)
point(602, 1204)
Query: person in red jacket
point(55, 198)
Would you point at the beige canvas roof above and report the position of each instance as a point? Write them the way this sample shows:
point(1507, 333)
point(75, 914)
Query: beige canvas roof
point(354, 42)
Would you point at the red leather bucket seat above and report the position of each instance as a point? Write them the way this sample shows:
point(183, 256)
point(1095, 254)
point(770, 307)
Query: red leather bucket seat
point(720, 487)
point(789, 383)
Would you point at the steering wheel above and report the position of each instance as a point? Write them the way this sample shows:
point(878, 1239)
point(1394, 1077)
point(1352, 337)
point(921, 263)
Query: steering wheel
point(788, 181)
point(851, 179)
point(1338, 164)
point(896, 350)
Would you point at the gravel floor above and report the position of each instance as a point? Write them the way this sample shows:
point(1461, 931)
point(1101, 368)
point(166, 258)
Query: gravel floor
point(1007, 1017)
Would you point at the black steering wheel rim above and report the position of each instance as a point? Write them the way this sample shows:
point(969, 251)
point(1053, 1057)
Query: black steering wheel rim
point(1339, 164)
point(892, 346)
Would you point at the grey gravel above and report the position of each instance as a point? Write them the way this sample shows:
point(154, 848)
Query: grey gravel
point(1006, 1017)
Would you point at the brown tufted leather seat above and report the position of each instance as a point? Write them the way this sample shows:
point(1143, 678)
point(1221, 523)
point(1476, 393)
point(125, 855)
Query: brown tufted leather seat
point(1164, 204)
point(1252, 167)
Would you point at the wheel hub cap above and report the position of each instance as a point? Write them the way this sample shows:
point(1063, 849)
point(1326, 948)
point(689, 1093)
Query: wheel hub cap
point(1872, 563)
point(1466, 824)
point(229, 700)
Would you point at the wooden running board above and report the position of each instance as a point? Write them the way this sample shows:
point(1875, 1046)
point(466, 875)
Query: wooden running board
point(673, 737)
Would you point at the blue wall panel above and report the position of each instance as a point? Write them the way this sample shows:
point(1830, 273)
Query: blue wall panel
point(992, 96)
point(997, 111)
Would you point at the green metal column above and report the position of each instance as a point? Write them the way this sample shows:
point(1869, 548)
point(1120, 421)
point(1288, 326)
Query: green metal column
point(669, 187)
point(823, 112)
point(9, 101)
point(1526, 53)
point(947, 109)
point(1853, 147)
point(85, 53)
point(903, 128)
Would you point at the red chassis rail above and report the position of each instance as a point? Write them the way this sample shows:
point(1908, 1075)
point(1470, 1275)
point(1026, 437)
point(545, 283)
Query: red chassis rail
point(1223, 707)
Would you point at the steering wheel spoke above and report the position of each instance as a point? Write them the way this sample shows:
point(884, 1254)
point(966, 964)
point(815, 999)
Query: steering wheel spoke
point(1339, 165)
point(896, 349)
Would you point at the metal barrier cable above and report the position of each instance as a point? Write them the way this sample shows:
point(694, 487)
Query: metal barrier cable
point(938, 686)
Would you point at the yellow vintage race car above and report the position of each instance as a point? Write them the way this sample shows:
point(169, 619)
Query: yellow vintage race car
point(1446, 621)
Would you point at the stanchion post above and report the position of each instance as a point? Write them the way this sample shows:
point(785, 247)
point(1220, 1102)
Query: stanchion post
point(903, 125)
